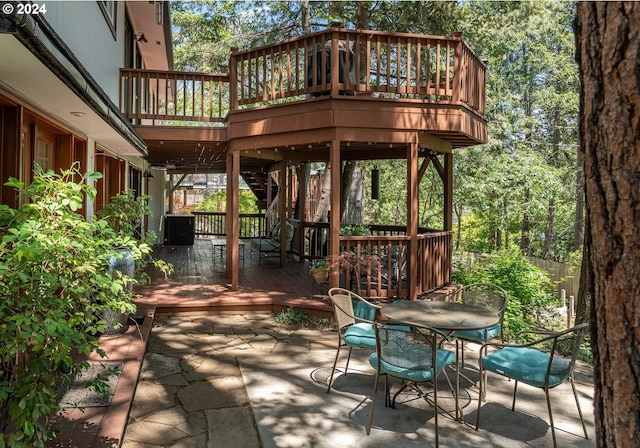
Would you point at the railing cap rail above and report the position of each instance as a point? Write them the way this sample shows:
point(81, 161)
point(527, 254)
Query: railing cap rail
point(174, 72)
point(329, 31)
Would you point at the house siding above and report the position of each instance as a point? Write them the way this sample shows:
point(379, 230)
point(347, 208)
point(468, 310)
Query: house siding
point(84, 29)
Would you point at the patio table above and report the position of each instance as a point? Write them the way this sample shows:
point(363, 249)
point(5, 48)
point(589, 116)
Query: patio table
point(444, 316)
point(219, 247)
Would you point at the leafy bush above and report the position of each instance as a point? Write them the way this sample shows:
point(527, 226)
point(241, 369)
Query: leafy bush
point(529, 287)
point(354, 230)
point(293, 318)
point(124, 212)
point(54, 289)
point(217, 202)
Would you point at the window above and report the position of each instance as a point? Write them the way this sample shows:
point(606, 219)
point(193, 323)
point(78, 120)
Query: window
point(109, 10)
point(44, 154)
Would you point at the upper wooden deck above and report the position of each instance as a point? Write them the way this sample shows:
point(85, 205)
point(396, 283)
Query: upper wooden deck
point(284, 101)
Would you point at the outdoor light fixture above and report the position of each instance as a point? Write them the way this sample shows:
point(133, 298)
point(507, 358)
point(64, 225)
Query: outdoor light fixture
point(375, 183)
point(140, 37)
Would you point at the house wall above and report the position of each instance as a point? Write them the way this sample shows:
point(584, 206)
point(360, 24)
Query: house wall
point(85, 30)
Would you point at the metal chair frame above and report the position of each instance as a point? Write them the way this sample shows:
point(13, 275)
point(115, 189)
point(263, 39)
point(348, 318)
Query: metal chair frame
point(572, 336)
point(434, 338)
point(482, 295)
point(345, 317)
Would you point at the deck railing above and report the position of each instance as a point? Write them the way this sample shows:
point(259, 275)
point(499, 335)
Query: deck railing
point(381, 267)
point(390, 66)
point(215, 224)
point(376, 264)
point(174, 96)
point(385, 65)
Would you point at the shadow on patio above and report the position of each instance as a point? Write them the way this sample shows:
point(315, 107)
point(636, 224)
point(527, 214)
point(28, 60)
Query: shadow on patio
point(242, 380)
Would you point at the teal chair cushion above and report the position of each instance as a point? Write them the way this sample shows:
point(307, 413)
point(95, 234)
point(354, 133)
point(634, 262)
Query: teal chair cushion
point(417, 374)
point(360, 334)
point(527, 365)
point(479, 335)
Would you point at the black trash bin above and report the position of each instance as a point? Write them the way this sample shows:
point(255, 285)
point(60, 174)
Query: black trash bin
point(324, 76)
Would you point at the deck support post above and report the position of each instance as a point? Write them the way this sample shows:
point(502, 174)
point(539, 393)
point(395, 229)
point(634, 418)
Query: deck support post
point(233, 219)
point(412, 218)
point(334, 217)
point(283, 191)
point(448, 210)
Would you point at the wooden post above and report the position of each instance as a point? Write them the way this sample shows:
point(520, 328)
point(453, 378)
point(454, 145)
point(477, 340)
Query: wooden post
point(282, 196)
point(335, 67)
point(233, 80)
point(447, 219)
point(303, 183)
point(334, 217)
point(412, 219)
point(448, 212)
point(233, 219)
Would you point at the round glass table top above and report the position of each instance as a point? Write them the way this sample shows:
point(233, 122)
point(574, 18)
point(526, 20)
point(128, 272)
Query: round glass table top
point(445, 316)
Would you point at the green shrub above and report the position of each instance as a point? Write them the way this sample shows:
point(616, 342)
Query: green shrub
point(293, 318)
point(54, 289)
point(530, 288)
point(217, 202)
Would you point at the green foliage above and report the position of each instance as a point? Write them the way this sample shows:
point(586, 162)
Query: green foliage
point(54, 289)
point(529, 287)
point(217, 202)
point(125, 213)
point(525, 175)
point(354, 230)
point(54, 285)
point(319, 264)
point(293, 318)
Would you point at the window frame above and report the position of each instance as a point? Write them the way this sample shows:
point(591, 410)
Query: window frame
point(110, 14)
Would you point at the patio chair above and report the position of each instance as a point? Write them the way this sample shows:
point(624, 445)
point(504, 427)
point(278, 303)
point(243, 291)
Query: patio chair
point(412, 354)
point(267, 247)
point(486, 296)
point(354, 317)
point(544, 363)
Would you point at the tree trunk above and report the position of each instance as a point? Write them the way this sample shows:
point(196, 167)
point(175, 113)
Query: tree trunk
point(348, 179)
point(306, 16)
point(548, 232)
point(355, 199)
point(525, 240)
point(583, 300)
point(458, 211)
point(607, 52)
point(578, 229)
point(325, 197)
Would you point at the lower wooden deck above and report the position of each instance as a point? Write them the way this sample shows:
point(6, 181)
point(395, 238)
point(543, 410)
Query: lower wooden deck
point(199, 284)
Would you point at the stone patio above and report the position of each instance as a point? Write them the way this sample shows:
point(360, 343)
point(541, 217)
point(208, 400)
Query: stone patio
point(242, 380)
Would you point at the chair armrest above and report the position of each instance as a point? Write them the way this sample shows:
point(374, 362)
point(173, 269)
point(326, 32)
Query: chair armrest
point(547, 335)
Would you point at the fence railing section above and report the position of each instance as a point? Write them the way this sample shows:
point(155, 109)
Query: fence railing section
point(215, 224)
point(353, 63)
point(376, 264)
point(434, 260)
point(387, 65)
point(171, 96)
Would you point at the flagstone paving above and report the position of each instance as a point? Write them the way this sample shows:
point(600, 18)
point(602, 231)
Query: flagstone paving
point(194, 383)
